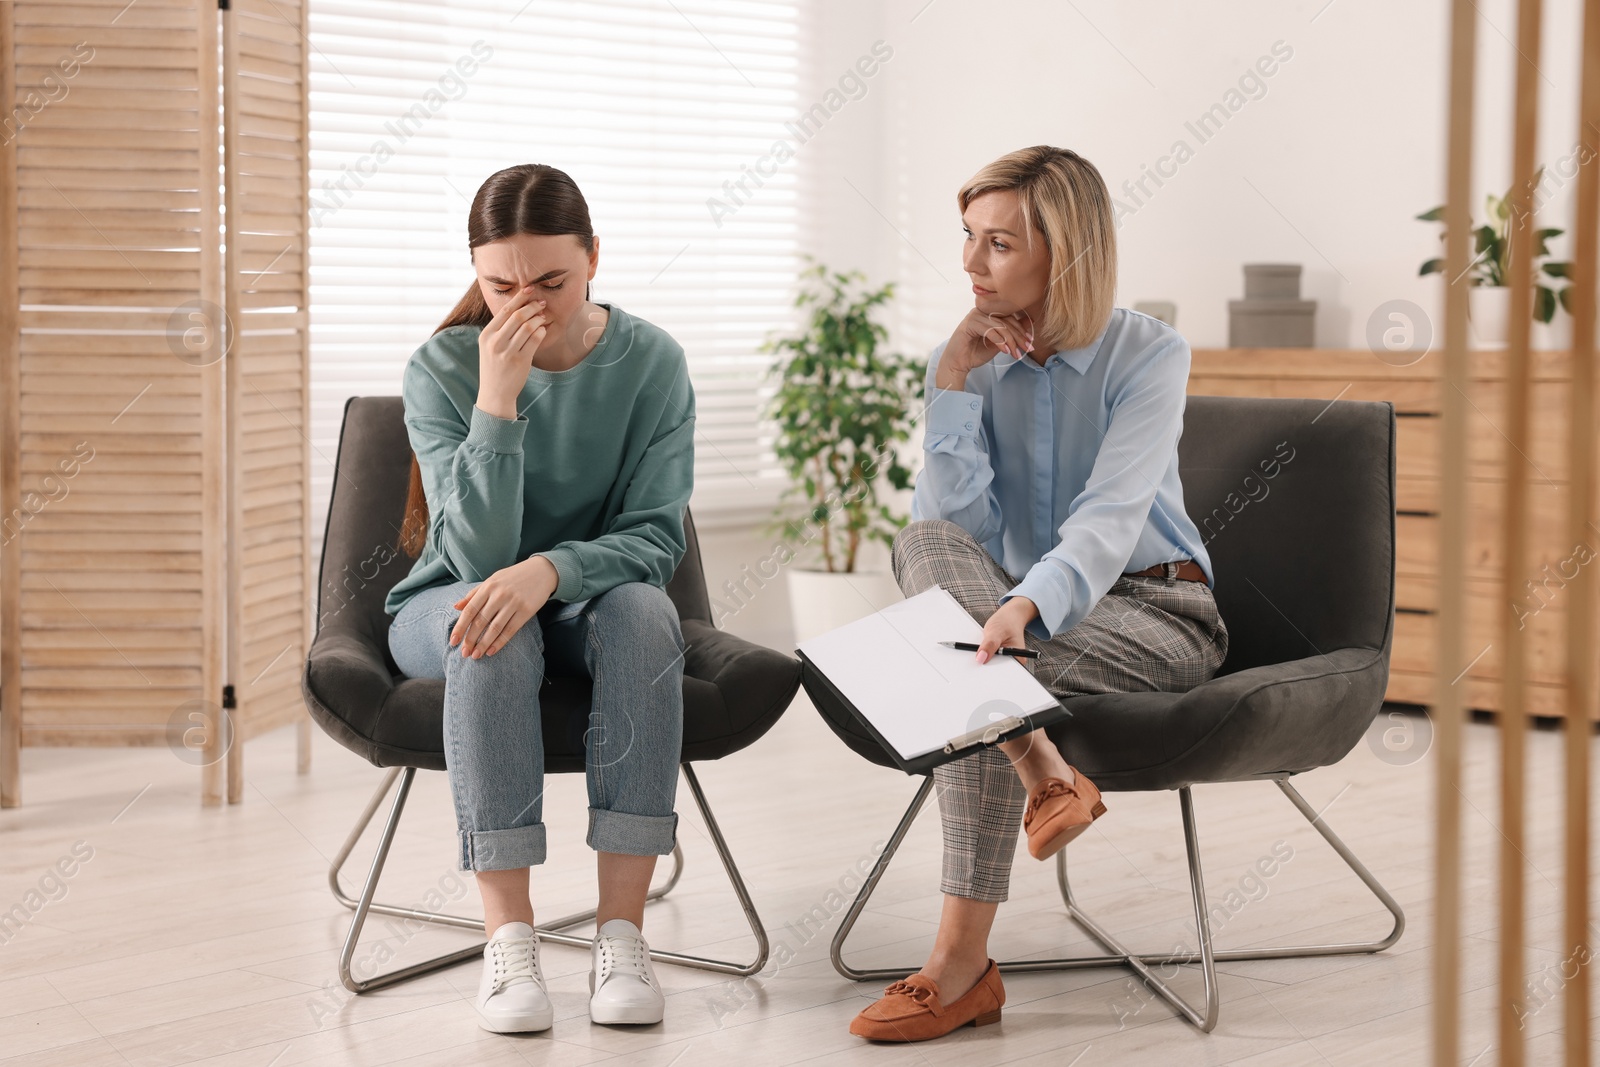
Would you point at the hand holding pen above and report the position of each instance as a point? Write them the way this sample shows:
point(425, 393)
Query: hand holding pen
point(968, 646)
point(1005, 632)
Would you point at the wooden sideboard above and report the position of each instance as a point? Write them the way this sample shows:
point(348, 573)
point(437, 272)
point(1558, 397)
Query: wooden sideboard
point(1415, 391)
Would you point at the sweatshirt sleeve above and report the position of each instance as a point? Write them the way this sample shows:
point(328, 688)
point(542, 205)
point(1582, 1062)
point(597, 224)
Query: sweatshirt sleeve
point(956, 482)
point(472, 477)
point(645, 542)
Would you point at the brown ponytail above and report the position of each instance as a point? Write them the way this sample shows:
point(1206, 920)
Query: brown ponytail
point(529, 198)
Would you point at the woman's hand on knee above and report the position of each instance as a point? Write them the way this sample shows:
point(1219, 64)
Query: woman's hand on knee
point(501, 605)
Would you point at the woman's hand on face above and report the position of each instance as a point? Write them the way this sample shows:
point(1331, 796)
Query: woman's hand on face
point(977, 337)
point(505, 351)
point(1006, 628)
point(501, 604)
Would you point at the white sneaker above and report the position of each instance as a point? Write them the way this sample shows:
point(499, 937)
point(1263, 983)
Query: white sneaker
point(511, 994)
point(622, 983)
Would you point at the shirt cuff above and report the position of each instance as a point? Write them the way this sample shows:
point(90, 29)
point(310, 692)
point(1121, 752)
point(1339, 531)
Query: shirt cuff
point(955, 411)
point(569, 572)
point(1050, 600)
point(494, 434)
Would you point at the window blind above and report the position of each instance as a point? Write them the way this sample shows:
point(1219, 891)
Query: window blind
point(651, 107)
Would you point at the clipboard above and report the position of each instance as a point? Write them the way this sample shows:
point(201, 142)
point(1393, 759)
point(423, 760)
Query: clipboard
point(923, 704)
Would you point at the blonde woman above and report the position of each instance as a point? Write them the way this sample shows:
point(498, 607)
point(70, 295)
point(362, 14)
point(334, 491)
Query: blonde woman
point(1049, 506)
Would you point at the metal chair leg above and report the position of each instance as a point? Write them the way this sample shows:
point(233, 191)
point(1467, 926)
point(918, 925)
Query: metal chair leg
point(466, 922)
point(365, 906)
point(547, 932)
point(1206, 1019)
point(836, 950)
point(1117, 954)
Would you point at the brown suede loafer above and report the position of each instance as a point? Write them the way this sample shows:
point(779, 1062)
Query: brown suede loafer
point(910, 1009)
point(1058, 812)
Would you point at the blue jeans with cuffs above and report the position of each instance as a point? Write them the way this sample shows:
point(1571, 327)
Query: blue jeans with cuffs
point(627, 641)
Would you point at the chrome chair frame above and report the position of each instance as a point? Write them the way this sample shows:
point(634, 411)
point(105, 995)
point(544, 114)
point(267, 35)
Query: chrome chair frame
point(1118, 954)
point(548, 932)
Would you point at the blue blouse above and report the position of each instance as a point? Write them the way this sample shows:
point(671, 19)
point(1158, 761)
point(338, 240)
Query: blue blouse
point(1066, 473)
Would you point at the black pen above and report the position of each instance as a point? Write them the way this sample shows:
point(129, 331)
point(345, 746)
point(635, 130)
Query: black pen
point(968, 646)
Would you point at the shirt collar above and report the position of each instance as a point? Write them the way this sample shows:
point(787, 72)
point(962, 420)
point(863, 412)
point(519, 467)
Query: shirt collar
point(1076, 358)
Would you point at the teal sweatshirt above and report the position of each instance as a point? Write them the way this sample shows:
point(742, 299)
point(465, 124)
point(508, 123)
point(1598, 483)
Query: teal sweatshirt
point(594, 473)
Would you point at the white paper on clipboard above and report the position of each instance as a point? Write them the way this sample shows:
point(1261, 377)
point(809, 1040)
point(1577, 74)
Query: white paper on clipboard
point(916, 693)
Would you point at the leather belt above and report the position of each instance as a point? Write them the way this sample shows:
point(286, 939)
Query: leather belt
point(1188, 570)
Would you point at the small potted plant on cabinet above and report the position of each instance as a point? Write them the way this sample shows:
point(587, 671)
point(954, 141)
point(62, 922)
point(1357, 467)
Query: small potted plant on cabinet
point(1489, 298)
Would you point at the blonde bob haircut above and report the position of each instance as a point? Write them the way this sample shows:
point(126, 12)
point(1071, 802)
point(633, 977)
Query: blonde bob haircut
point(1064, 199)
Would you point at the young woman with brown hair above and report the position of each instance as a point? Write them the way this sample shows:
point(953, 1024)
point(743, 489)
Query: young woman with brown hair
point(553, 442)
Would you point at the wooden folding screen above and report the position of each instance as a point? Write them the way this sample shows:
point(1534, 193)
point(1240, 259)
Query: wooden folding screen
point(153, 365)
point(266, 168)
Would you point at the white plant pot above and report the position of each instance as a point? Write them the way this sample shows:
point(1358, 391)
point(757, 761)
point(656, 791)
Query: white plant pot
point(1556, 335)
point(820, 601)
point(1488, 315)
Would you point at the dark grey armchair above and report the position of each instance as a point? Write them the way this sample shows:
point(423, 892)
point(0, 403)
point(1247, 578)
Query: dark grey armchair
point(1303, 552)
point(733, 690)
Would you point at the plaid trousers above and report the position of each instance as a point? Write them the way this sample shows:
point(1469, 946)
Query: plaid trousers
point(1146, 633)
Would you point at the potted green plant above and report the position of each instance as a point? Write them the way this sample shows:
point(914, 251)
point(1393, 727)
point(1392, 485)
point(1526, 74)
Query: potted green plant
point(1489, 299)
point(841, 407)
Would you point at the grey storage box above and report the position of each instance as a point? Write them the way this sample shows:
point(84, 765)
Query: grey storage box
point(1271, 315)
point(1271, 323)
point(1272, 281)
point(1165, 310)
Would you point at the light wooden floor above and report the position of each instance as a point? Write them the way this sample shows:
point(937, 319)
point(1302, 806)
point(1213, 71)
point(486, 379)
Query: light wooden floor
point(196, 936)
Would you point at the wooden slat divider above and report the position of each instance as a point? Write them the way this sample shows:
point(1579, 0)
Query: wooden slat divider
point(268, 372)
point(1515, 638)
point(1581, 630)
point(10, 443)
point(1450, 661)
point(178, 555)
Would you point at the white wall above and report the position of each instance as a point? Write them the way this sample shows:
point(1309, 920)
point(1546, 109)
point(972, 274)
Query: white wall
point(845, 151)
point(1327, 167)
